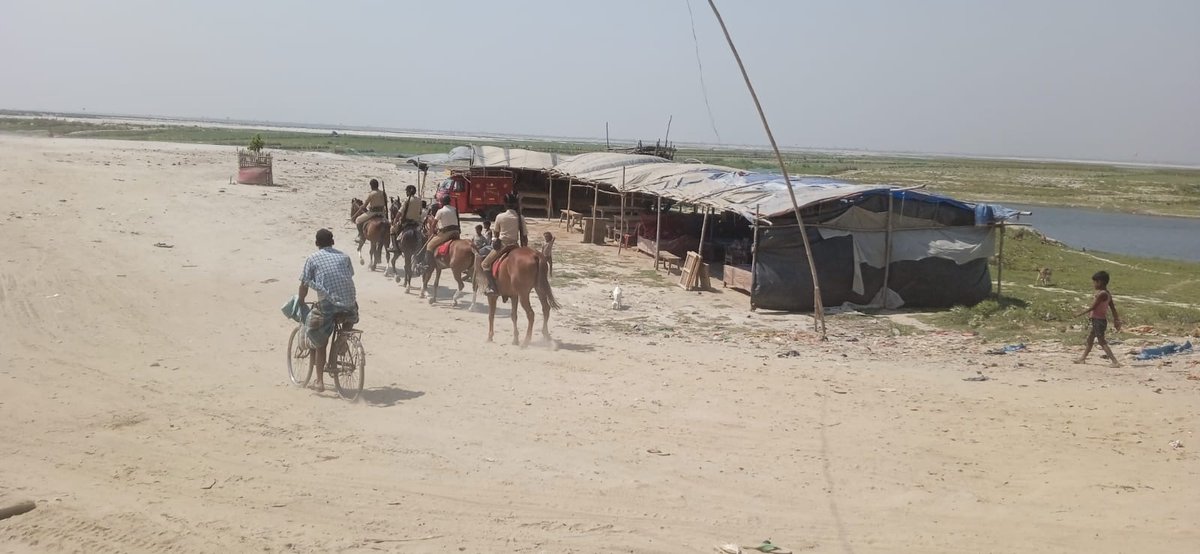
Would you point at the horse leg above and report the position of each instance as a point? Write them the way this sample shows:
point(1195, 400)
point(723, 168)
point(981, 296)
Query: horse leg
point(425, 280)
point(545, 317)
point(407, 272)
point(474, 285)
point(528, 316)
point(458, 277)
point(491, 317)
point(437, 278)
point(512, 310)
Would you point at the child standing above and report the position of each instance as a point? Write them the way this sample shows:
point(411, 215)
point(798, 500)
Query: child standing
point(1102, 302)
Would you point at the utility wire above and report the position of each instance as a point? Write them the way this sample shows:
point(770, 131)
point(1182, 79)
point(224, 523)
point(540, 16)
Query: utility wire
point(818, 309)
point(703, 88)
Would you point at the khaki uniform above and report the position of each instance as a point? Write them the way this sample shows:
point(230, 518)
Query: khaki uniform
point(373, 206)
point(410, 211)
point(447, 221)
point(507, 230)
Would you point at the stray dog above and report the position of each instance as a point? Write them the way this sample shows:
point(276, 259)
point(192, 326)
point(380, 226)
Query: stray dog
point(548, 250)
point(1044, 276)
point(616, 297)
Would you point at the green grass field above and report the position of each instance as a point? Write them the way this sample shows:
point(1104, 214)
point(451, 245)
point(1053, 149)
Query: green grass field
point(1134, 190)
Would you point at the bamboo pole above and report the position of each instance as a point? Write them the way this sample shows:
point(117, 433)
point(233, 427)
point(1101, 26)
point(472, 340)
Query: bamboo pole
point(657, 232)
point(818, 308)
point(595, 224)
point(887, 252)
point(703, 229)
point(621, 225)
point(1000, 266)
point(754, 258)
point(570, 189)
point(549, 197)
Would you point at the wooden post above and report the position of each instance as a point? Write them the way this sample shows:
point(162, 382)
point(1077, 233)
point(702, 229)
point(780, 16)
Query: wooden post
point(549, 197)
point(703, 228)
point(1000, 265)
point(657, 232)
point(570, 189)
point(595, 202)
point(621, 225)
point(754, 258)
point(887, 252)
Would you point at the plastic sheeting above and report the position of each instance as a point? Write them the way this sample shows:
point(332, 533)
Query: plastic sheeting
point(782, 280)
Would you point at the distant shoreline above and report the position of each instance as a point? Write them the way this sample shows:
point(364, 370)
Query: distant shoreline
point(432, 134)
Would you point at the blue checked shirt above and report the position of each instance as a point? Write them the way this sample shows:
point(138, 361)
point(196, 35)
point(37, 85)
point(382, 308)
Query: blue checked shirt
point(330, 273)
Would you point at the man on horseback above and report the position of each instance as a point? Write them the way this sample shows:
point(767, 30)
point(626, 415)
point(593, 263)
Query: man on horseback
point(509, 230)
point(410, 210)
point(374, 206)
point(447, 226)
point(330, 273)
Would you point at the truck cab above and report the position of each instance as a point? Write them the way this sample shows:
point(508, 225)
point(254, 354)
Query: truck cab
point(477, 190)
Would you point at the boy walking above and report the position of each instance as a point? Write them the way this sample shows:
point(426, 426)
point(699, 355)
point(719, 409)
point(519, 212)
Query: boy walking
point(1102, 302)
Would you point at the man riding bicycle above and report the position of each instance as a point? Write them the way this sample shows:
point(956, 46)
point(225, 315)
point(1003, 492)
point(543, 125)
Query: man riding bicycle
point(331, 274)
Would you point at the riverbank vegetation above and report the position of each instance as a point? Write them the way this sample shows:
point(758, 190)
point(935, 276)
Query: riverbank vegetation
point(1163, 295)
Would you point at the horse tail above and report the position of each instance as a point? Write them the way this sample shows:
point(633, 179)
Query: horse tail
point(543, 282)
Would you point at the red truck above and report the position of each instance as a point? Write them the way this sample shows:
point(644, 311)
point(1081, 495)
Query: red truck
point(478, 190)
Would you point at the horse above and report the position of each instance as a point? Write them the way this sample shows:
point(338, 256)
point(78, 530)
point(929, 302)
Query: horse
point(405, 242)
point(375, 230)
point(523, 270)
point(459, 258)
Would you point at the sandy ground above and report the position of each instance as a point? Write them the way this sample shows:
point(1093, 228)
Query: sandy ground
point(144, 401)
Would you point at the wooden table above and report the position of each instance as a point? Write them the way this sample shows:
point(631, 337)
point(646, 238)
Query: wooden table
point(572, 218)
point(667, 259)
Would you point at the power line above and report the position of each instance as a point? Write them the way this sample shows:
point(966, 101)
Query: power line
point(703, 88)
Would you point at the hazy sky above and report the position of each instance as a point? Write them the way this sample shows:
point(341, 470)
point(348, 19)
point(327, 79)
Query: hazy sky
point(1074, 79)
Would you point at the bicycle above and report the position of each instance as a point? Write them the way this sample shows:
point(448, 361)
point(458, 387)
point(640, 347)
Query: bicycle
point(346, 362)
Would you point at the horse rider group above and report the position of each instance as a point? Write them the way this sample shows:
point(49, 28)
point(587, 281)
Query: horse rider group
point(508, 231)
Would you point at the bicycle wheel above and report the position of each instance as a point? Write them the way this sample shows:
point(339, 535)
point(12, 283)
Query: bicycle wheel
point(299, 360)
point(349, 363)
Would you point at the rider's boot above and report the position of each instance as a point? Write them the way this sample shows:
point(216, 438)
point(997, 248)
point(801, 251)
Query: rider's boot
point(491, 288)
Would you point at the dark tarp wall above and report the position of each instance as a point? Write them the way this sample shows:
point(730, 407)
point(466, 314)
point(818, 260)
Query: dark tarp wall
point(782, 280)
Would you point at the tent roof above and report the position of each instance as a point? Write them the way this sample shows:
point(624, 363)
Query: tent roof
point(723, 188)
point(495, 156)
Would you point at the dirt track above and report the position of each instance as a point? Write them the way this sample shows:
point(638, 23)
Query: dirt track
point(144, 401)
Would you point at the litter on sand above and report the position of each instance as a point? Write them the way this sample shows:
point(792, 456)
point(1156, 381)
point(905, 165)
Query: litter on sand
point(1009, 349)
point(1169, 349)
point(766, 546)
point(164, 245)
point(979, 377)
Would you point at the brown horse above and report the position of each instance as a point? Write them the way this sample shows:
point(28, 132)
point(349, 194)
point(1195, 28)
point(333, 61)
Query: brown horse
point(375, 230)
point(523, 270)
point(459, 259)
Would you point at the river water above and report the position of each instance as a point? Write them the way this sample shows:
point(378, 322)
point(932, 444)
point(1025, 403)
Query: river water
point(1147, 236)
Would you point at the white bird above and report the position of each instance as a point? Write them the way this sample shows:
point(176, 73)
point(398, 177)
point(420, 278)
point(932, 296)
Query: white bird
point(616, 297)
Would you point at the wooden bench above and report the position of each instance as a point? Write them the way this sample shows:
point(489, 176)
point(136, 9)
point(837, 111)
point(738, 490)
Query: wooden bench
point(667, 260)
point(572, 218)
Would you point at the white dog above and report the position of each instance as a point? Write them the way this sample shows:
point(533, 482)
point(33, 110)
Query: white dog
point(616, 297)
